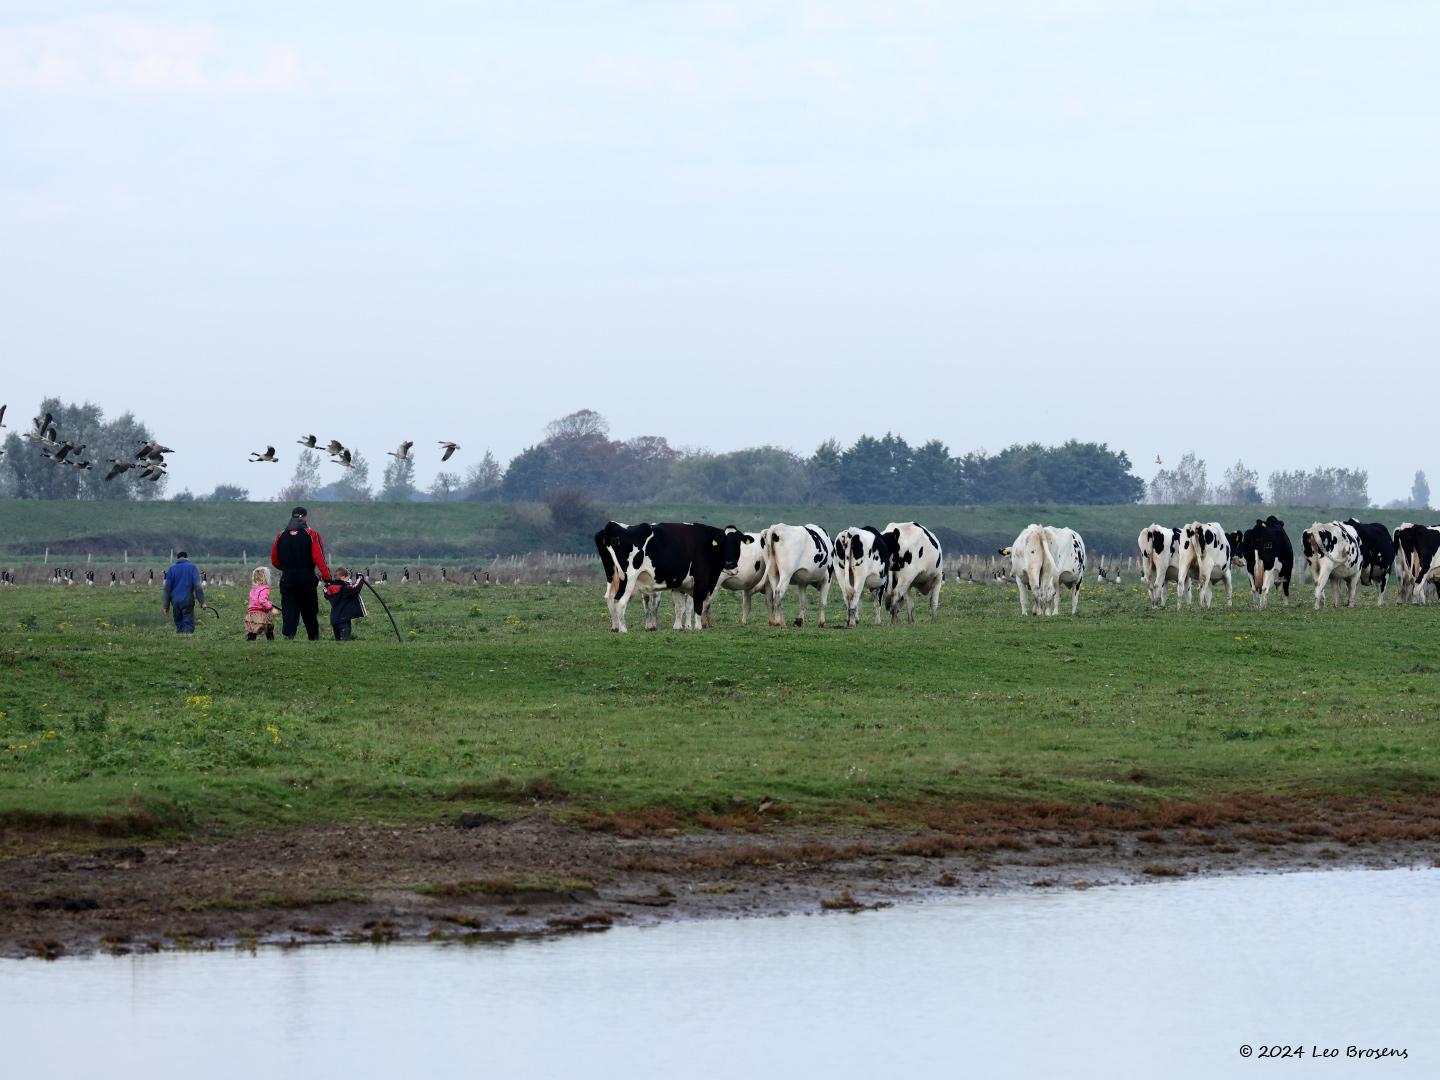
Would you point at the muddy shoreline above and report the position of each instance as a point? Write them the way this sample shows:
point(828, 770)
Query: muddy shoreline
point(475, 877)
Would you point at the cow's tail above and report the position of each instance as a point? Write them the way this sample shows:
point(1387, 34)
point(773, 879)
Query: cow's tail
point(768, 540)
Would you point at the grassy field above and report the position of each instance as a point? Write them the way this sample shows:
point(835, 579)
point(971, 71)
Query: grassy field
point(507, 694)
point(472, 531)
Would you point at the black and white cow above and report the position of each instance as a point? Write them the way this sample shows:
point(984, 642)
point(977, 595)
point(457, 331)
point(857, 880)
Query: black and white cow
point(1377, 555)
point(1268, 557)
point(1159, 546)
point(861, 563)
point(914, 561)
point(683, 557)
point(1204, 557)
point(1332, 553)
point(796, 555)
point(749, 575)
point(1417, 561)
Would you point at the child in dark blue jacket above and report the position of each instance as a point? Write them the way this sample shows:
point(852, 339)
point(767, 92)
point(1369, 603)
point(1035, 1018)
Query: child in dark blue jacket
point(346, 603)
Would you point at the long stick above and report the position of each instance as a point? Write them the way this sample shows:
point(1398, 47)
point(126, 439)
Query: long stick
point(387, 611)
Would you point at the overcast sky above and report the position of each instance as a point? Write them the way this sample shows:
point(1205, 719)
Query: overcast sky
point(1165, 226)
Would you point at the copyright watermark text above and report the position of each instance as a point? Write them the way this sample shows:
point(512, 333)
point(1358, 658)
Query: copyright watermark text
point(1284, 1050)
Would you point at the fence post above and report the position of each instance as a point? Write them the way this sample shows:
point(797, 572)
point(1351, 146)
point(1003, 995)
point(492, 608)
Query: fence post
point(127, 556)
point(47, 557)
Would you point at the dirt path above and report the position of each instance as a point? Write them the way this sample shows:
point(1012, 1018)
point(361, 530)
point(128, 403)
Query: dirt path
point(477, 877)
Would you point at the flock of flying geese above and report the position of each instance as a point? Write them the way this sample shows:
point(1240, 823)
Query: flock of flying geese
point(340, 454)
point(150, 458)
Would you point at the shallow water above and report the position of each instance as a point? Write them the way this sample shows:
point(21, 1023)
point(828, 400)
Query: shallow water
point(1167, 979)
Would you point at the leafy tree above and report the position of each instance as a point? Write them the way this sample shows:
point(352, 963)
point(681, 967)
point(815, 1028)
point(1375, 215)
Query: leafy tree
point(874, 470)
point(582, 425)
point(445, 486)
point(1321, 487)
point(30, 475)
point(1240, 487)
point(824, 470)
point(525, 476)
point(761, 474)
point(933, 477)
point(1088, 473)
point(353, 486)
point(1183, 485)
point(399, 481)
point(227, 493)
point(1420, 492)
point(640, 468)
point(483, 481)
point(306, 481)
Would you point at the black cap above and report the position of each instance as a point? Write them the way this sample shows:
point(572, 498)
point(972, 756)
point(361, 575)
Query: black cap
point(182, 554)
point(299, 511)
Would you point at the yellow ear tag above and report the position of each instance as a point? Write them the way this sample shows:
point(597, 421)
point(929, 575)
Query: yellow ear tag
point(714, 543)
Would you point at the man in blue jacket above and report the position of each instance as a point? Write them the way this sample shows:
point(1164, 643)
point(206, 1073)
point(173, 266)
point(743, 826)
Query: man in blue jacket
point(182, 592)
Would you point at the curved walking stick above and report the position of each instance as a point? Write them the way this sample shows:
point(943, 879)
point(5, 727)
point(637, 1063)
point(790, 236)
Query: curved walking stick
point(212, 607)
point(387, 611)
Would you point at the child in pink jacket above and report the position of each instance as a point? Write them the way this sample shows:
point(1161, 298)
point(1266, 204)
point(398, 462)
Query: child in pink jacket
point(257, 613)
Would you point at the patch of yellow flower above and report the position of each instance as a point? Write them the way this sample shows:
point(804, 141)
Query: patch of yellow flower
point(274, 733)
point(199, 701)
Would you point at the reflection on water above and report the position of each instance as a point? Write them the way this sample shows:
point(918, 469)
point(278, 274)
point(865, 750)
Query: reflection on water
point(1160, 980)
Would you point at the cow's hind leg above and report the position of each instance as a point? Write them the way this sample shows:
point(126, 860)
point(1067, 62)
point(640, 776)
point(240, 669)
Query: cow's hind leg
point(800, 592)
point(824, 599)
point(775, 597)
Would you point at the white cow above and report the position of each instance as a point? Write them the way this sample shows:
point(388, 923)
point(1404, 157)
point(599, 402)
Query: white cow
point(914, 562)
point(1029, 565)
point(1067, 559)
point(1204, 558)
point(1044, 559)
point(860, 564)
point(749, 576)
point(798, 555)
point(1159, 545)
point(1332, 553)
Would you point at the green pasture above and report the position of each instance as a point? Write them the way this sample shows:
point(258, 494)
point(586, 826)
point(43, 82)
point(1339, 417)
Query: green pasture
point(505, 694)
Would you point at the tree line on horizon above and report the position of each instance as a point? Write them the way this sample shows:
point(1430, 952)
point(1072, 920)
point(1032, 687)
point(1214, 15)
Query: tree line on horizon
point(577, 454)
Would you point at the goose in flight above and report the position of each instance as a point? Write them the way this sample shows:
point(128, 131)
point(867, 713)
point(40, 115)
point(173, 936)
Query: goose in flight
point(450, 448)
point(335, 447)
point(308, 441)
point(404, 452)
point(118, 466)
point(268, 455)
point(343, 458)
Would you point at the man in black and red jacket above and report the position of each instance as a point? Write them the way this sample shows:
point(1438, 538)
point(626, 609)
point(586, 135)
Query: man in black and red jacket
point(299, 554)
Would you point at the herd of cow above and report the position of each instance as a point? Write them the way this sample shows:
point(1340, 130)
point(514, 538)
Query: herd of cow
point(693, 561)
point(1343, 554)
point(893, 564)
